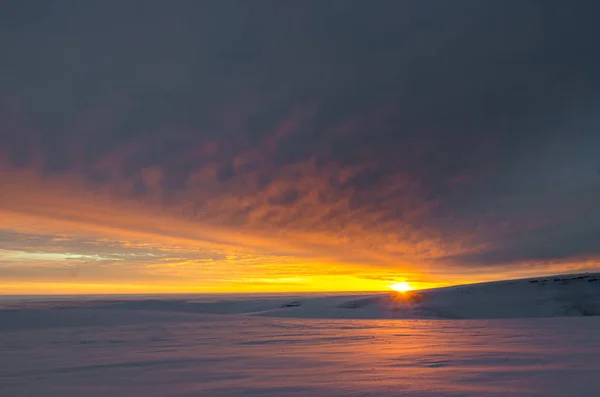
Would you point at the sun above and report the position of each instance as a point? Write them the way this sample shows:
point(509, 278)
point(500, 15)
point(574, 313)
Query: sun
point(402, 287)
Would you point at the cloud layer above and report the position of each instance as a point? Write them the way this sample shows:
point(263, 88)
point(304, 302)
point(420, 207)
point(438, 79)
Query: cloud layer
point(319, 145)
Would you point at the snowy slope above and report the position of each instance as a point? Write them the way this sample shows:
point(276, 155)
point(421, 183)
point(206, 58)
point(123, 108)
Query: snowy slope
point(554, 296)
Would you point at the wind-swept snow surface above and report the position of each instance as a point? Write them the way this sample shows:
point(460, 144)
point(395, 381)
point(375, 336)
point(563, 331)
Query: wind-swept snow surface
point(413, 345)
point(179, 355)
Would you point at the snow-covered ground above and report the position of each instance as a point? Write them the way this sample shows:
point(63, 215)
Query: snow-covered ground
point(327, 346)
point(555, 296)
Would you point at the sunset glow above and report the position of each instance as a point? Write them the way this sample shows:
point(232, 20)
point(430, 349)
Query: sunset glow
point(402, 287)
point(178, 157)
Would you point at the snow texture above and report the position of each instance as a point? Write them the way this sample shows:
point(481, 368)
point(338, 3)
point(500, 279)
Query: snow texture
point(479, 340)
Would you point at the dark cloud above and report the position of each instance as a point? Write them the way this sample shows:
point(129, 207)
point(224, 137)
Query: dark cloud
point(542, 247)
point(464, 121)
point(288, 197)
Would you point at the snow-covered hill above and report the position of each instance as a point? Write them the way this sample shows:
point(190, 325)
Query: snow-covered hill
point(554, 296)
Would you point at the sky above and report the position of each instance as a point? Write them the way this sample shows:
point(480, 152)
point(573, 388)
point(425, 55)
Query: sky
point(247, 146)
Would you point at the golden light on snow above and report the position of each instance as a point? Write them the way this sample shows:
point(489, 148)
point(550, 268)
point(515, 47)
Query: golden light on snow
point(402, 287)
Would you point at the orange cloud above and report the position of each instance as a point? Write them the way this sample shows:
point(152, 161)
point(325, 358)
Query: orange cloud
point(302, 225)
point(274, 242)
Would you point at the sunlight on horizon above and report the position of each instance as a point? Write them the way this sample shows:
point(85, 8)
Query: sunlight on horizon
point(402, 287)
